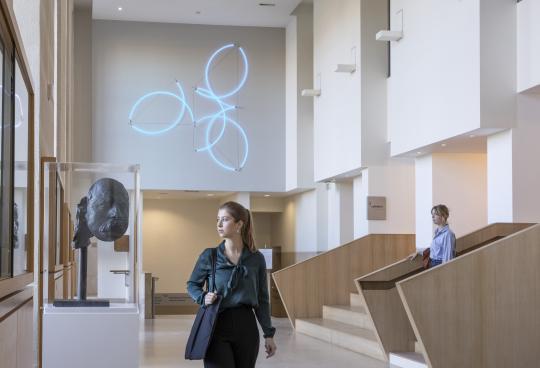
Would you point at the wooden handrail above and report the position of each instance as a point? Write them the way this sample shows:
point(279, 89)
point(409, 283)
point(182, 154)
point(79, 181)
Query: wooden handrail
point(327, 278)
point(382, 300)
point(481, 309)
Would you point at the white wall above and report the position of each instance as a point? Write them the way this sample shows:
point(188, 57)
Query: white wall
point(453, 54)
point(267, 204)
point(435, 68)
point(291, 105)
point(396, 182)
point(498, 43)
point(374, 68)
point(457, 180)
point(424, 199)
point(299, 110)
point(526, 150)
point(306, 219)
point(285, 225)
point(302, 226)
point(337, 127)
point(304, 15)
point(340, 213)
point(528, 44)
point(175, 232)
point(499, 169)
point(514, 178)
point(322, 217)
point(131, 59)
point(110, 285)
point(460, 182)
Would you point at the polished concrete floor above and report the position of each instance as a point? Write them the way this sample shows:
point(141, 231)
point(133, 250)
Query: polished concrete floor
point(164, 338)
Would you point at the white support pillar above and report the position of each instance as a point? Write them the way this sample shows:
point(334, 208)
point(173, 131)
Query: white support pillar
point(457, 180)
point(513, 175)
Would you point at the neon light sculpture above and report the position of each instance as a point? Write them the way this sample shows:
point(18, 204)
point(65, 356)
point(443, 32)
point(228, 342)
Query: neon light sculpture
point(221, 116)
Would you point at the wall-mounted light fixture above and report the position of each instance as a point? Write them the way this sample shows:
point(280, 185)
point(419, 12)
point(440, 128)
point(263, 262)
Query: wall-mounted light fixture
point(311, 92)
point(345, 68)
point(392, 35)
point(389, 36)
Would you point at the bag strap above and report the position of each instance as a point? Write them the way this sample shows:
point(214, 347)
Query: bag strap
point(214, 260)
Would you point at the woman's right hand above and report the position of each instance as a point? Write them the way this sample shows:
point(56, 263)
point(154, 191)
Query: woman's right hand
point(209, 298)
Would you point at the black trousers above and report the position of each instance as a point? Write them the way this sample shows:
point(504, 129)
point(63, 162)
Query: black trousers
point(235, 343)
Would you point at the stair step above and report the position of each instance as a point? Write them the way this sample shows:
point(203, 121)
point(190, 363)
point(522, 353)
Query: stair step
point(347, 336)
point(408, 360)
point(353, 315)
point(357, 300)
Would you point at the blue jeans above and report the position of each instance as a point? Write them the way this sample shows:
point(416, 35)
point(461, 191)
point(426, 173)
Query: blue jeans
point(434, 262)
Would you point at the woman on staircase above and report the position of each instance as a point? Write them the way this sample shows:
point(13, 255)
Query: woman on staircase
point(443, 245)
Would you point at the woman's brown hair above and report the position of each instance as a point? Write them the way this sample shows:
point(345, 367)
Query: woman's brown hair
point(240, 213)
point(441, 210)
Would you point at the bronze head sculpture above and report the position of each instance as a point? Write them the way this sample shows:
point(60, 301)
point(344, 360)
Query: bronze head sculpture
point(103, 213)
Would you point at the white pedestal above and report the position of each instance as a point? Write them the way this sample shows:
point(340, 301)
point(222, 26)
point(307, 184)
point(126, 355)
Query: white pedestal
point(91, 337)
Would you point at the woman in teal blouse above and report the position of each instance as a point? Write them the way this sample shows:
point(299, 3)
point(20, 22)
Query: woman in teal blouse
point(241, 282)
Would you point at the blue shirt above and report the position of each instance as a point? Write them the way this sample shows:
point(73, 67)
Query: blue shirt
point(443, 245)
point(242, 284)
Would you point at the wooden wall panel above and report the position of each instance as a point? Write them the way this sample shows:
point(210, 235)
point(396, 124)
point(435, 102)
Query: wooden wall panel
point(59, 286)
point(8, 342)
point(328, 278)
point(481, 309)
point(25, 335)
point(17, 330)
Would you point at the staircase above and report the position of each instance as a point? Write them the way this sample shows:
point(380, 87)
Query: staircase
point(412, 359)
point(347, 326)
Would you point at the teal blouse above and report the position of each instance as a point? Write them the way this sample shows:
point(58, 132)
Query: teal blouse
point(241, 284)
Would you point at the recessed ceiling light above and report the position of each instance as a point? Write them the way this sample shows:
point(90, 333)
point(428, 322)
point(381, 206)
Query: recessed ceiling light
point(443, 145)
point(210, 194)
point(267, 195)
point(120, 8)
point(198, 12)
point(472, 136)
point(419, 153)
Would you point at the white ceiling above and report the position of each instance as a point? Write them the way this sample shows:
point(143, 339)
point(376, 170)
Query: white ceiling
point(215, 12)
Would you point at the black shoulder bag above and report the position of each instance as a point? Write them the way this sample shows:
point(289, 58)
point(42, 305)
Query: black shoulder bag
point(203, 326)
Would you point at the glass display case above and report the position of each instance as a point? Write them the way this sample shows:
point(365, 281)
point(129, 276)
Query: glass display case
point(90, 234)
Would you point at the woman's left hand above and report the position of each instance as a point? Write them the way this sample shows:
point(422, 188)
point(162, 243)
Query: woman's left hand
point(270, 346)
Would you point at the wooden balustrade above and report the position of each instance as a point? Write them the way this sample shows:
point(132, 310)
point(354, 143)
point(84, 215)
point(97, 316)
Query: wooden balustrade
point(327, 279)
point(383, 302)
point(481, 309)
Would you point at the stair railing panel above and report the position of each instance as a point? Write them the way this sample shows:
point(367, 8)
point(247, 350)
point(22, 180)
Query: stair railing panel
point(328, 278)
point(481, 309)
point(383, 304)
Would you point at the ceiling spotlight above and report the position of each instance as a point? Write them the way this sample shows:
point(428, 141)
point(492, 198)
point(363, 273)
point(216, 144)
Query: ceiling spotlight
point(267, 195)
point(472, 136)
point(210, 194)
point(419, 153)
point(120, 8)
point(443, 145)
